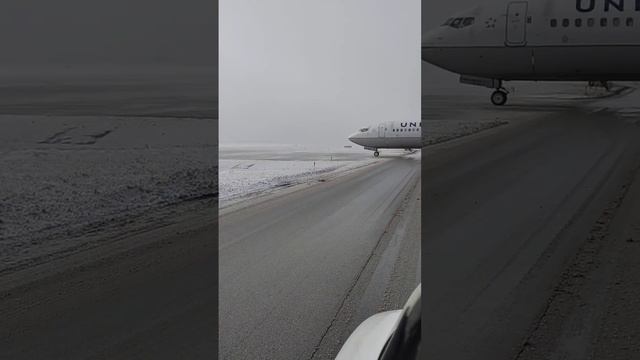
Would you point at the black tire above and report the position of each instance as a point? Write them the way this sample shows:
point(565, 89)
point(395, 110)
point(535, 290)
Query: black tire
point(499, 98)
point(376, 154)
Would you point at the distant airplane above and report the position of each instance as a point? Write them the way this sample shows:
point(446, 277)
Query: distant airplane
point(389, 135)
point(546, 40)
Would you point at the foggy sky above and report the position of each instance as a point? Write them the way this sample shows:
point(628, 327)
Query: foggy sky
point(315, 71)
point(67, 32)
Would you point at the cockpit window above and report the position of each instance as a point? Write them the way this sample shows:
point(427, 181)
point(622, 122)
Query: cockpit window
point(364, 129)
point(448, 22)
point(468, 21)
point(456, 23)
point(460, 22)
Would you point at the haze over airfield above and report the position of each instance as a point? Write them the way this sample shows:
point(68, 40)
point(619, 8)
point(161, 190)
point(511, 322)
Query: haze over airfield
point(313, 72)
point(113, 32)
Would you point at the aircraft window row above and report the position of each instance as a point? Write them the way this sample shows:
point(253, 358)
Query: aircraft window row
point(404, 130)
point(460, 22)
point(590, 22)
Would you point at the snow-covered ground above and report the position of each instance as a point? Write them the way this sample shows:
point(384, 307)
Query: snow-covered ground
point(74, 176)
point(627, 106)
point(85, 159)
point(87, 163)
point(437, 131)
point(447, 117)
point(249, 170)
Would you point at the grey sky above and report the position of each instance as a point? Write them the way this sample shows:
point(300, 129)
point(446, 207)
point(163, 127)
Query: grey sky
point(68, 32)
point(312, 72)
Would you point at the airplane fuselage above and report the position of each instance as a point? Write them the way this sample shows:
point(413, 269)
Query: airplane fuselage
point(389, 135)
point(590, 40)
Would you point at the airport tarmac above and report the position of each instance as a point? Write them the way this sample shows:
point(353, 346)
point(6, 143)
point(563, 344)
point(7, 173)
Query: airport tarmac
point(514, 215)
point(299, 272)
point(507, 210)
point(141, 280)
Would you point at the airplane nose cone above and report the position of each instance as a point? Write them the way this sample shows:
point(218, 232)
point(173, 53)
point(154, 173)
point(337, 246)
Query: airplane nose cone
point(433, 38)
point(354, 138)
point(431, 43)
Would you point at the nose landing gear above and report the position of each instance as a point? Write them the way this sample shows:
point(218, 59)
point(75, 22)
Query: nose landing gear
point(499, 97)
point(375, 150)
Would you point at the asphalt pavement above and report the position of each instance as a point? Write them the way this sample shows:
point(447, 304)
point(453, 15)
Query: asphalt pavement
point(506, 211)
point(299, 272)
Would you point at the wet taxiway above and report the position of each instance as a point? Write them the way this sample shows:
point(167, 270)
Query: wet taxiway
point(507, 215)
point(299, 272)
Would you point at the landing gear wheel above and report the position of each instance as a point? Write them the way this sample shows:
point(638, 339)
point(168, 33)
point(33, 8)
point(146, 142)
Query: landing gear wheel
point(376, 154)
point(499, 97)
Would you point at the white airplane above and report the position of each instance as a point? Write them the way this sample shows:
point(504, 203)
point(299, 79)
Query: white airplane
point(542, 40)
point(389, 135)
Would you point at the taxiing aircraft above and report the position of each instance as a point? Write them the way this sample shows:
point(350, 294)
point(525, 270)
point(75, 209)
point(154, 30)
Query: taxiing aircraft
point(543, 40)
point(389, 135)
